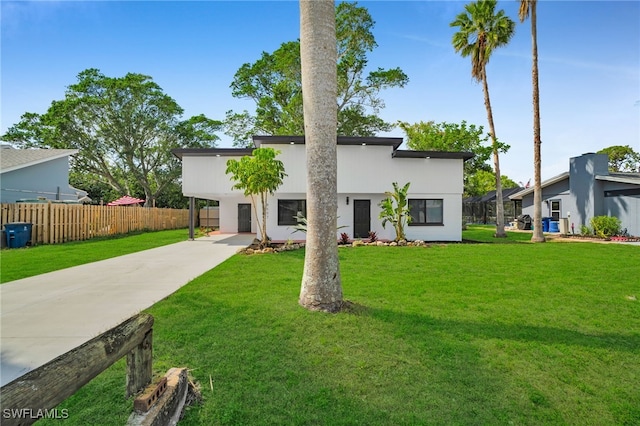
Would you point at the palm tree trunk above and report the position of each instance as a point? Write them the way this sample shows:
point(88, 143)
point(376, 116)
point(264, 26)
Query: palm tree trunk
point(496, 160)
point(537, 236)
point(321, 284)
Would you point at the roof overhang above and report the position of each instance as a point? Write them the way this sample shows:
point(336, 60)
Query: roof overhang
point(211, 152)
point(341, 140)
point(559, 178)
point(629, 178)
point(401, 153)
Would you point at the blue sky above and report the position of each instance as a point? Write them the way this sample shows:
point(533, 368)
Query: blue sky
point(589, 64)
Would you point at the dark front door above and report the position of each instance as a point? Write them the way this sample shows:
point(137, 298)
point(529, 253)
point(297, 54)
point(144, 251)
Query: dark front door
point(361, 218)
point(244, 217)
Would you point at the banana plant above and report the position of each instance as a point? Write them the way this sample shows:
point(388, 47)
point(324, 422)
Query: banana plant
point(395, 209)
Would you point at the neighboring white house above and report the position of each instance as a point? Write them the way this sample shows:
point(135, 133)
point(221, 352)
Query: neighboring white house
point(367, 168)
point(32, 174)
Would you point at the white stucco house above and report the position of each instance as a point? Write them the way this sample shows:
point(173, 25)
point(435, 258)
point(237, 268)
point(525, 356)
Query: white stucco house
point(367, 167)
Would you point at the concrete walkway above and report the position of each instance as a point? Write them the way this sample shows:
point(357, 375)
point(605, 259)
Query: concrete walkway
point(43, 317)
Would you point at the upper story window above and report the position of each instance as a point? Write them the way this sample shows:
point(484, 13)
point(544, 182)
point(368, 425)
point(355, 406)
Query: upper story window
point(426, 212)
point(289, 209)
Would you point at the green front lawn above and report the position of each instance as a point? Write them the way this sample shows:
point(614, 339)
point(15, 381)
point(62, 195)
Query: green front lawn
point(30, 261)
point(450, 334)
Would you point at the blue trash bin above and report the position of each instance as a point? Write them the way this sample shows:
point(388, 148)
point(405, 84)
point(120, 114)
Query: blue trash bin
point(18, 234)
point(554, 226)
point(545, 224)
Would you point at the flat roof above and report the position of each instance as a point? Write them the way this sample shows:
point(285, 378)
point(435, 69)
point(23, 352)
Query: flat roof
point(341, 140)
point(403, 153)
point(211, 152)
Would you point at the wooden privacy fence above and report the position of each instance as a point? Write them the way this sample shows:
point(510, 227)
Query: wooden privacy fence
point(34, 395)
point(58, 223)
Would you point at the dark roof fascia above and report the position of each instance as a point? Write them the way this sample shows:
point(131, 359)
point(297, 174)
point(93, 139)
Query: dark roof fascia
point(342, 140)
point(211, 152)
point(402, 153)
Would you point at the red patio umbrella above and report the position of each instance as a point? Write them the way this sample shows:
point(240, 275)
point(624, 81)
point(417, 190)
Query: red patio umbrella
point(125, 201)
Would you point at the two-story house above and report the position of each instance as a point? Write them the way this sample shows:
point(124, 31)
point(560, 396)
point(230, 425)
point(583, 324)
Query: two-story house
point(367, 168)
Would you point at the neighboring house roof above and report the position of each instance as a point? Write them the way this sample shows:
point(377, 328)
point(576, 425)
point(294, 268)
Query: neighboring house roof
point(491, 195)
point(527, 191)
point(342, 140)
point(15, 159)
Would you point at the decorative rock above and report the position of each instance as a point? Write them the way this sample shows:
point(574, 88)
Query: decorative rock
point(357, 243)
point(393, 244)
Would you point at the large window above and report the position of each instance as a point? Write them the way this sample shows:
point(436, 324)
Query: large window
point(425, 212)
point(289, 209)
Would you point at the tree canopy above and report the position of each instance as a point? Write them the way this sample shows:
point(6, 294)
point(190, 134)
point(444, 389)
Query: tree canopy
point(124, 129)
point(622, 158)
point(274, 83)
point(431, 136)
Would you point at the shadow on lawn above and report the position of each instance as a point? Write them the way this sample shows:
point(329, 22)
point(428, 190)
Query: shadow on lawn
point(419, 323)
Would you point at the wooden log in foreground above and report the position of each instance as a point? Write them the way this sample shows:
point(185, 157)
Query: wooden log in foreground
point(47, 386)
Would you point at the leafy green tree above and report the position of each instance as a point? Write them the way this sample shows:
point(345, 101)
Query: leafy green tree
point(395, 210)
point(484, 181)
point(622, 158)
point(321, 286)
point(528, 8)
point(97, 189)
point(124, 129)
point(258, 175)
point(274, 83)
point(481, 31)
point(431, 136)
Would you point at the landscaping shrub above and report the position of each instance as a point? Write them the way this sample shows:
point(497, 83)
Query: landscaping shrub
point(605, 226)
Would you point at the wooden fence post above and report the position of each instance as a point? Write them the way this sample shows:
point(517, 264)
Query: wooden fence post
point(47, 386)
point(139, 365)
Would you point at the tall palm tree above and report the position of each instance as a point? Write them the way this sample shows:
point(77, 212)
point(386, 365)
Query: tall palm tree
point(482, 30)
point(528, 8)
point(321, 284)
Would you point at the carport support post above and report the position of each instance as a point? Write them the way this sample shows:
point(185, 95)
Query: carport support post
point(192, 208)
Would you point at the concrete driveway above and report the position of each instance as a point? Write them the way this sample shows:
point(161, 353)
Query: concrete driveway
point(43, 317)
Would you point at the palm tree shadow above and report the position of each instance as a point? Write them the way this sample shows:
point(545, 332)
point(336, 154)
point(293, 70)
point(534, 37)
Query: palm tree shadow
point(421, 324)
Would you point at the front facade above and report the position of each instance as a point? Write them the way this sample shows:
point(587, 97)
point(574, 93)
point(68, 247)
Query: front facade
point(367, 168)
point(588, 189)
point(37, 174)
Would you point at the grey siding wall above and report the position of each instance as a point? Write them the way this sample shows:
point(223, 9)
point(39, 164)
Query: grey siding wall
point(49, 179)
point(587, 196)
point(624, 205)
point(557, 191)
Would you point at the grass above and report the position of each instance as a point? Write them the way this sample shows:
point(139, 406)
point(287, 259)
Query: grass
point(31, 261)
point(451, 334)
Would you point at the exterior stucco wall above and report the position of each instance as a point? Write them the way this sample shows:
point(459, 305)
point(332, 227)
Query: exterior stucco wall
point(205, 177)
point(364, 173)
point(49, 179)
